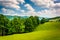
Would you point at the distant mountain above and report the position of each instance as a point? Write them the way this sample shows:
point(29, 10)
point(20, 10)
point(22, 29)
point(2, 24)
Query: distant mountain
point(11, 17)
point(55, 18)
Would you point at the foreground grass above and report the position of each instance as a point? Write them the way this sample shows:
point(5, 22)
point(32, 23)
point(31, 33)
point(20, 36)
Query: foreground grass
point(39, 35)
point(47, 31)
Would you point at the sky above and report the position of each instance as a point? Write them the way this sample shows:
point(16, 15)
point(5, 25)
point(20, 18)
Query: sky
point(41, 8)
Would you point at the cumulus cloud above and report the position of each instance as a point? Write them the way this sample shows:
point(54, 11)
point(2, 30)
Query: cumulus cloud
point(31, 13)
point(47, 13)
point(12, 12)
point(57, 6)
point(31, 10)
point(4, 10)
point(21, 1)
point(44, 3)
point(44, 13)
point(29, 7)
point(11, 3)
point(7, 11)
point(22, 11)
point(54, 8)
point(53, 11)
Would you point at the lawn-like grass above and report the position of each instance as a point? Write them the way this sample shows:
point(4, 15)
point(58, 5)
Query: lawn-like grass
point(41, 33)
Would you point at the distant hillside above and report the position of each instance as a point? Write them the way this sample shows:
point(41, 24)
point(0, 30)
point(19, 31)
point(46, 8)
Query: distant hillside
point(54, 18)
point(49, 26)
point(11, 17)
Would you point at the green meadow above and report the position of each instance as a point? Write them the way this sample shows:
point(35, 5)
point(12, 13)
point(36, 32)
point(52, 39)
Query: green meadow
point(46, 31)
point(49, 26)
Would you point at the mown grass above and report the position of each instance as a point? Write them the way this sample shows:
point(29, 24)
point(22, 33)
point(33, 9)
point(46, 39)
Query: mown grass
point(47, 31)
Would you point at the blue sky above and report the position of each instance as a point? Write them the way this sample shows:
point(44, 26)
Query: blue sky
point(43, 8)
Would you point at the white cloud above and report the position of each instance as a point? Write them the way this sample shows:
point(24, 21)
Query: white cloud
point(4, 10)
point(54, 8)
point(11, 3)
point(47, 13)
point(57, 6)
point(12, 12)
point(58, 12)
point(44, 3)
point(7, 4)
point(29, 7)
point(31, 13)
point(22, 11)
point(21, 1)
point(44, 13)
point(8, 11)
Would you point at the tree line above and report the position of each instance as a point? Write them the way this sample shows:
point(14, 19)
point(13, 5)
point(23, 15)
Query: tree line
point(18, 24)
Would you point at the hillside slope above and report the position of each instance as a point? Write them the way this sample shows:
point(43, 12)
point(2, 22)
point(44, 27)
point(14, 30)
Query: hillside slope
point(40, 35)
point(49, 26)
point(47, 31)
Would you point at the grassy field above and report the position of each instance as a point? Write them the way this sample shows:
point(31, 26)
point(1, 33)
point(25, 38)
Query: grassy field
point(49, 26)
point(47, 31)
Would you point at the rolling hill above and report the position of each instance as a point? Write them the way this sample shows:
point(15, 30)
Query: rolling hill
point(49, 26)
point(47, 31)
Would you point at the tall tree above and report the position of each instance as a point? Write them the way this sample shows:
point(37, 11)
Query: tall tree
point(31, 23)
point(16, 25)
point(3, 24)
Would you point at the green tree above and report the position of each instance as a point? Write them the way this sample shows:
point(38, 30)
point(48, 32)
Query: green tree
point(3, 24)
point(43, 20)
point(28, 25)
point(31, 23)
point(16, 25)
